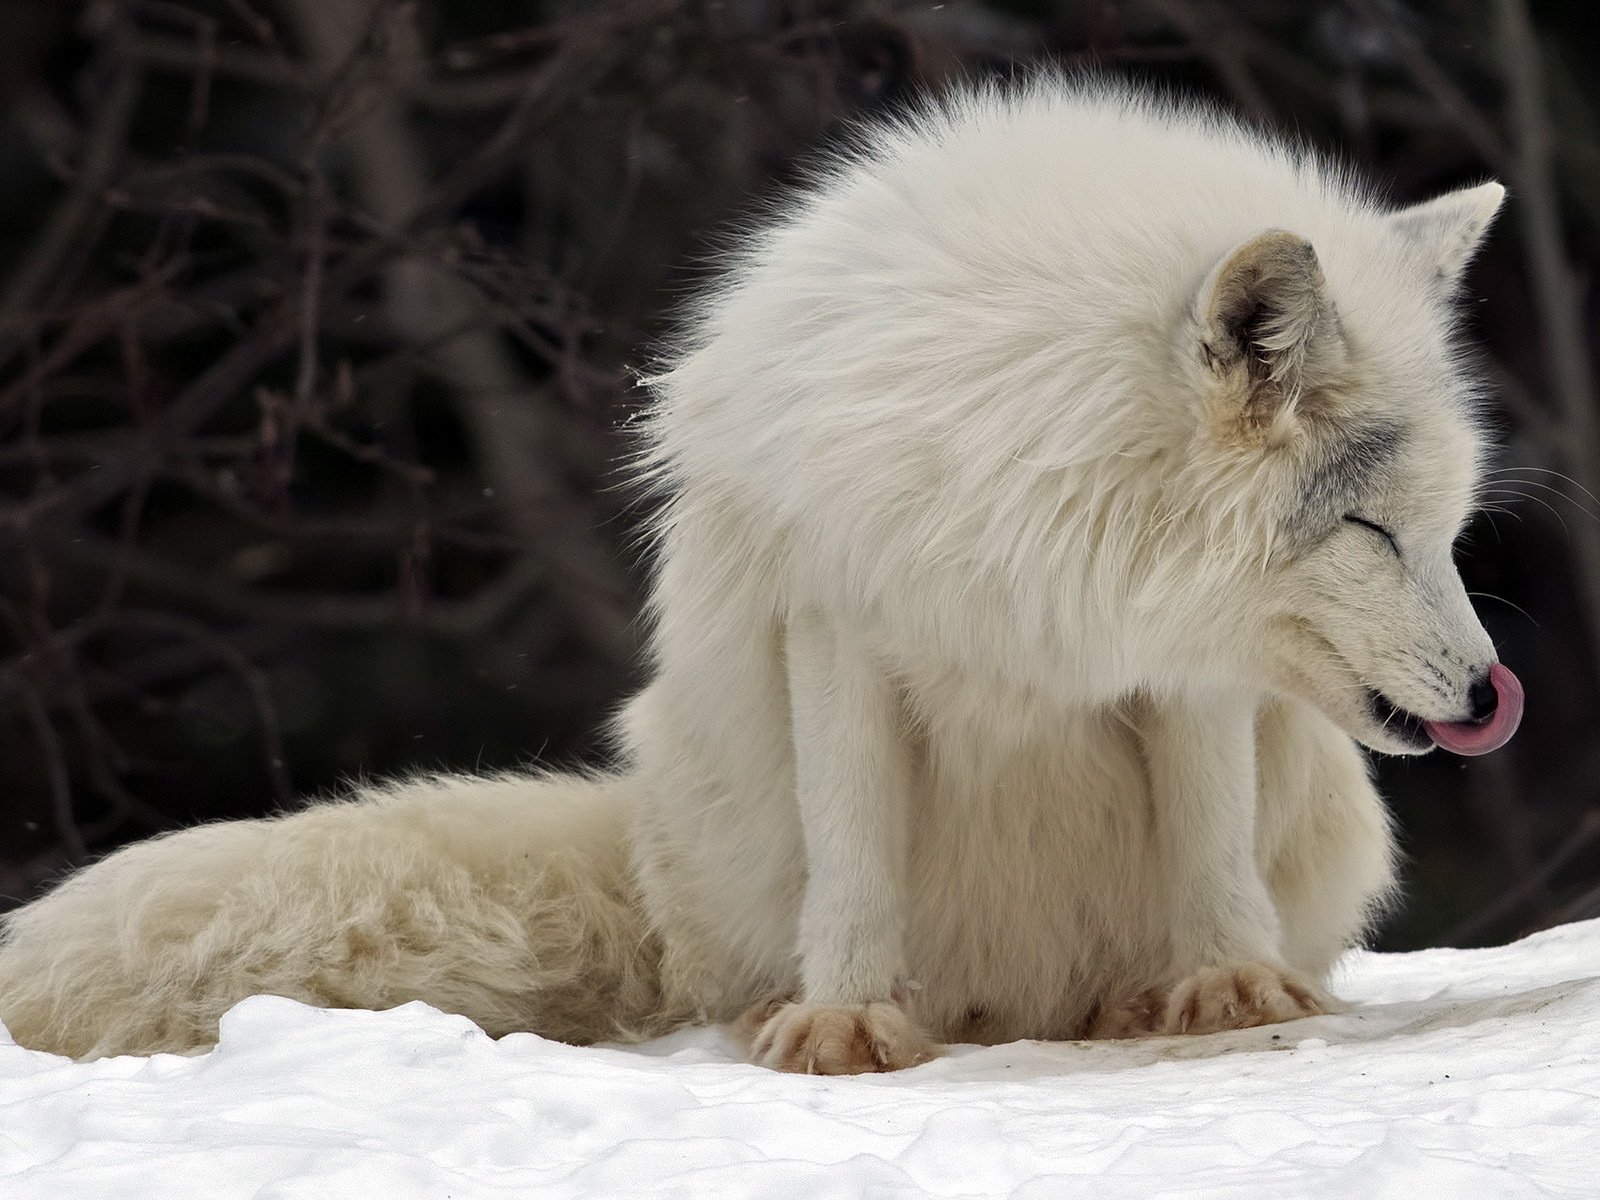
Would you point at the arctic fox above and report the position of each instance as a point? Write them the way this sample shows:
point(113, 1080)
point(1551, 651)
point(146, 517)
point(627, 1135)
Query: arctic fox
point(1061, 488)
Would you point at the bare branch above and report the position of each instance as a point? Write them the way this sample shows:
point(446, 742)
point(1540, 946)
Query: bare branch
point(60, 780)
point(61, 232)
point(513, 429)
point(248, 674)
point(1438, 85)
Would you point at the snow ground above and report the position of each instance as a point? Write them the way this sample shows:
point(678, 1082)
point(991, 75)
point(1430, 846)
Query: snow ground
point(1462, 1074)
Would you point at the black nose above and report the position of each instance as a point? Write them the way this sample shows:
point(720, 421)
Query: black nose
point(1483, 700)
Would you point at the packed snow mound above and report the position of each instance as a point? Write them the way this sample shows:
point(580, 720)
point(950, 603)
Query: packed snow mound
point(1458, 1073)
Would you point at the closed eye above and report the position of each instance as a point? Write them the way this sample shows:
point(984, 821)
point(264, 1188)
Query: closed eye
point(1377, 529)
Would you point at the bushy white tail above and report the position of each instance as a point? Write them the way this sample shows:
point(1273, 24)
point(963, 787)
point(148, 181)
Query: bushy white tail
point(507, 900)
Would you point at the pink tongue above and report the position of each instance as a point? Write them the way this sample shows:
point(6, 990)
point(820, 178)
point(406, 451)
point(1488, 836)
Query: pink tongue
point(1480, 737)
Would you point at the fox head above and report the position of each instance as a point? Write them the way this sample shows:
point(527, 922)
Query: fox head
point(1327, 376)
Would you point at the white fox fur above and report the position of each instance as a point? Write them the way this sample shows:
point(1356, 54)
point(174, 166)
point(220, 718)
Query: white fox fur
point(1011, 641)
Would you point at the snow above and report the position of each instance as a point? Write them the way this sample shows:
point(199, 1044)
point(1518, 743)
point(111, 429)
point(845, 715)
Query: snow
point(1459, 1073)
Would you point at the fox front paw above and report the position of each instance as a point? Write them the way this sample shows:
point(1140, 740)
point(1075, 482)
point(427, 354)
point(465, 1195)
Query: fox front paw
point(1214, 999)
point(819, 1039)
point(1242, 997)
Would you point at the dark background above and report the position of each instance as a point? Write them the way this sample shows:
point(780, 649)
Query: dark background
point(318, 318)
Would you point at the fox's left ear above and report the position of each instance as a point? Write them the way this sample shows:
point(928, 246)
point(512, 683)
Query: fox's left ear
point(1447, 230)
point(1266, 327)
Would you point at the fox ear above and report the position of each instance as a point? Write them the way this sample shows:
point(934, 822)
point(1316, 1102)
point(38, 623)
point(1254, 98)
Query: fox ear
point(1265, 321)
point(1447, 230)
